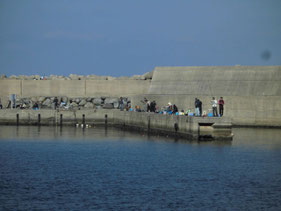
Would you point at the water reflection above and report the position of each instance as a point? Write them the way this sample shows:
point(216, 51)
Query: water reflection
point(243, 137)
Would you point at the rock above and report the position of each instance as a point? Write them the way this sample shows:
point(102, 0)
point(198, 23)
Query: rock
point(100, 77)
point(73, 77)
point(89, 99)
point(124, 78)
point(23, 77)
point(110, 78)
point(97, 101)
point(3, 76)
point(13, 77)
point(77, 100)
point(89, 105)
point(91, 77)
point(82, 102)
point(34, 99)
point(47, 102)
point(53, 77)
point(37, 77)
point(138, 77)
point(108, 106)
point(116, 105)
point(26, 100)
point(148, 75)
point(41, 99)
point(111, 100)
point(73, 104)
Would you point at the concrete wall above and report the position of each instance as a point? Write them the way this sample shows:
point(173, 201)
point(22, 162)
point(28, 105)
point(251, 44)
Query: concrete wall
point(72, 88)
point(252, 94)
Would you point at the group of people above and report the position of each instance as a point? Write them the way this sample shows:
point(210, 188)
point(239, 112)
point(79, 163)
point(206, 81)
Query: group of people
point(150, 105)
point(214, 103)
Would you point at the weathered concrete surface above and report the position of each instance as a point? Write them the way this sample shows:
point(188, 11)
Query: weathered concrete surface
point(252, 94)
point(166, 124)
point(116, 88)
point(73, 88)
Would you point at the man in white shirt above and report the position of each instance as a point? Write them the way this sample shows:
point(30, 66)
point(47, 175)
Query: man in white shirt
point(214, 103)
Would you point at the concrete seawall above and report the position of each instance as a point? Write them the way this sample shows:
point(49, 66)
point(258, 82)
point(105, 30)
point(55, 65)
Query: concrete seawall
point(252, 94)
point(182, 126)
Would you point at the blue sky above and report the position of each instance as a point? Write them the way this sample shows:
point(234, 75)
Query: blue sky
point(126, 37)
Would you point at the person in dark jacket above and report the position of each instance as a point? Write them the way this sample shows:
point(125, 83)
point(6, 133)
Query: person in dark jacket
point(196, 103)
point(56, 102)
point(200, 107)
point(221, 104)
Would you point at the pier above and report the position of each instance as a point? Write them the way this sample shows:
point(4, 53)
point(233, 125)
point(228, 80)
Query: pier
point(154, 123)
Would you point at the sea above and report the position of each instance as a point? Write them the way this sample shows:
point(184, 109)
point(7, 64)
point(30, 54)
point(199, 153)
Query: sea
point(69, 168)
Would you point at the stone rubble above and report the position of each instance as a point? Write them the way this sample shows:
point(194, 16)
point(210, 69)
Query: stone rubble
point(72, 103)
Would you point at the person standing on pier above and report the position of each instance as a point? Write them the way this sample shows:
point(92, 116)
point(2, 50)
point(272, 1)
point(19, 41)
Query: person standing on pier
point(221, 104)
point(200, 107)
point(56, 101)
point(197, 109)
point(214, 103)
point(1, 104)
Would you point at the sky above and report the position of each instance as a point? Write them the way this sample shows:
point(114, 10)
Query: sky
point(126, 37)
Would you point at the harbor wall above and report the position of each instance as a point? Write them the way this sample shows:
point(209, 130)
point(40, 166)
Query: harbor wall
point(252, 94)
point(73, 88)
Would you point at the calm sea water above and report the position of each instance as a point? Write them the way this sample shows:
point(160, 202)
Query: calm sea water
point(49, 168)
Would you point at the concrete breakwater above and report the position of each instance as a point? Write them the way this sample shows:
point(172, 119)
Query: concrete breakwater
point(180, 126)
point(252, 94)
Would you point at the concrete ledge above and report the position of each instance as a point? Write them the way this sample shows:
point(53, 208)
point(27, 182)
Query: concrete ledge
point(181, 126)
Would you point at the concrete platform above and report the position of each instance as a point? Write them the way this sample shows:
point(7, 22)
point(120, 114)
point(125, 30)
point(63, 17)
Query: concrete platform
point(181, 126)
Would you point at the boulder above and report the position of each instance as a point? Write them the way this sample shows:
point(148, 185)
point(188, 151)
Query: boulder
point(91, 77)
point(34, 99)
point(116, 105)
point(108, 106)
point(138, 77)
point(77, 100)
point(111, 100)
point(82, 102)
point(89, 99)
point(13, 77)
point(97, 101)
point(73, 104)
point(41, 99)
point(23, 77)
point(3, 76)
point(89, 105)
point(110, 78)
point(123, 78)
point(47, 102)
point(148, 75)
point(73, 77)
point(37, 77)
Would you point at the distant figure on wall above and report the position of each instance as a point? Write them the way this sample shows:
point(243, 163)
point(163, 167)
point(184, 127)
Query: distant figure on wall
point(200, 107)
point(214, 103)
point(221, 104)
point(196, 103)
point(56, 102)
